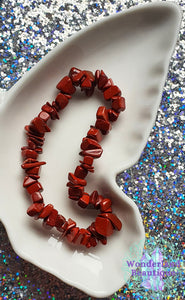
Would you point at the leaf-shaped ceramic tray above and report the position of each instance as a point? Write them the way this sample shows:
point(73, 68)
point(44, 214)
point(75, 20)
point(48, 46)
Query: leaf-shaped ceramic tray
point(134, 49)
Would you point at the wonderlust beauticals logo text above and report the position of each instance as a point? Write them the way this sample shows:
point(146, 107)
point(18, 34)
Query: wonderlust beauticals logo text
point(151, 269)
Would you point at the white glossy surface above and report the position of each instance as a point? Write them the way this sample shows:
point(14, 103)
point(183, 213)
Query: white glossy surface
point(134, 49)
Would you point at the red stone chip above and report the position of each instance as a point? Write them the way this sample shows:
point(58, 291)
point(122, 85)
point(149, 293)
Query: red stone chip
point(29, 165)
point(102, 113)
point(33, 172)
point(28, 181)
point(66, 85)
point(105, 204)
point(35, 187)
point(60, 220)
point(75, 180)
point(103, 126)
point(86, 84)
point(46, 211)
point(44, 116)
point(85, 239)
point(103, 226)
point(111, 92)
point(95, 153)
point(101, 79)
point(72, 234)
point(51, 219)
point(95, 134)
point(40, 125)
point(61, 100)
point(108, 84)
point(84, 200)
point(80, 172)
point(35, 209)
point(68, 225)
point(75, 192)
point(88, 144)
point(118, 104)
point(76, 75)
point(29, 153)
point(37, 197)
point(114, 219)
point(88, 160)
point(113, 115)
point(94, 197)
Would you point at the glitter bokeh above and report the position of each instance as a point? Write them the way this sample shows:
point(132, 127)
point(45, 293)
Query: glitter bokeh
point(30, 29)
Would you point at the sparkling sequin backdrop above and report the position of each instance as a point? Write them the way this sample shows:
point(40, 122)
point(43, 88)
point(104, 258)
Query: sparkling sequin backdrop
point(30, 29)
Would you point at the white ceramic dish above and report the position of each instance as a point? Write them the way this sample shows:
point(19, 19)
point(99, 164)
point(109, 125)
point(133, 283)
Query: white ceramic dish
point(134, 49)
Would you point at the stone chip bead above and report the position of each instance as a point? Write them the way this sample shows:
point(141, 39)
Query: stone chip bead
point(113, 115)
point(98, 236)
point(87, 75)
point(108, 84)
point(32, 163)
point(87, 163)
point(82, 237)
point(93, 197)
point(111, 92)
point(102, 113)
point(40, 125)
point(88, 144)
point(92, 242)
point(87, 167)
point(114, 219)
point(60, 220)
point(28, 181)
point(85, 239)
point(33, 172)
point(88, 160)
point(72, 233)
point(67, 226)
point(95, 153)
point(44, 116)
point(76, 76)
point(32, 131)
point(56, 106)
point(29, 153)
point(118, 104)
point(36, 141)
point(61, 100)
point(35, 187)
point(103, 226)
point(66, 86)
point(50, 110)
point(75, 180)
point(84, 200)
point(98, 202)
point(75, 192)
point(95, 134)
point(101, 79)
point(46, 211)
point(87, 83)
point(103, 126)
point(51, 219)
point(80, 172)
point(105, 204)
point(39, 141)
point(31, 145)
point(35, 209)
point(36, 197)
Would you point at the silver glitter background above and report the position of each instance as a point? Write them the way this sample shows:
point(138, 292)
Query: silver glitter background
point(29, 29)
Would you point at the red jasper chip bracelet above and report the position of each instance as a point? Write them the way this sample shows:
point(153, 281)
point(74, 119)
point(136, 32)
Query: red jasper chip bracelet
point(106, 222)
